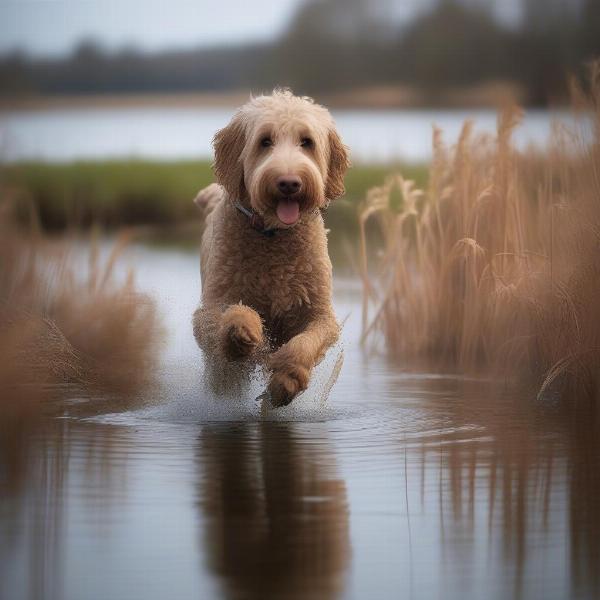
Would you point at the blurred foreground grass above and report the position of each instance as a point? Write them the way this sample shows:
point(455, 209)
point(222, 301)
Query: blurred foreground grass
point(141, 192)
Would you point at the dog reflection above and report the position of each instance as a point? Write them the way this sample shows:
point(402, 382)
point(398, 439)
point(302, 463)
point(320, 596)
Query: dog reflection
point(276, 518)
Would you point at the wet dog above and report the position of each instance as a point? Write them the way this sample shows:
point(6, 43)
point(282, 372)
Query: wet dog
point(266, 273)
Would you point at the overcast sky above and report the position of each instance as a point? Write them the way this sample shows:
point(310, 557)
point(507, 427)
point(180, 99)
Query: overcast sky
point(54, 26)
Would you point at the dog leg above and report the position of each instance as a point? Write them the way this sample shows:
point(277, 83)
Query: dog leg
point(234, 333)
point(294, 361)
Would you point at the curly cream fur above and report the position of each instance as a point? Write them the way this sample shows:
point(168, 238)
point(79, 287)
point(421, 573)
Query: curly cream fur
point(262, 293)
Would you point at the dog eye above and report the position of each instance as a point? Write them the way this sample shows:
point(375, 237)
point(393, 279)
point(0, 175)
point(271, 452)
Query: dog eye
point(266, 142)
point(307, 142)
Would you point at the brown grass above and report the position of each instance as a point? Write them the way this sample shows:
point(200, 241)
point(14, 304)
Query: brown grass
point(497, 262)
point(65, 329)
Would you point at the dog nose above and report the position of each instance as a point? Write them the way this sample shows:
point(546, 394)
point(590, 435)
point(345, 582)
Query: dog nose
point(289, 185)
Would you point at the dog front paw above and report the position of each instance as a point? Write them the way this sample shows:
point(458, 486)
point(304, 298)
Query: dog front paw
point(287, 383)
point(240, 342)
point(241, 332)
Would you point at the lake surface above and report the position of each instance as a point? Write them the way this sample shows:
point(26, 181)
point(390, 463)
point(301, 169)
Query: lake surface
point(398, 485)
point(186, 133)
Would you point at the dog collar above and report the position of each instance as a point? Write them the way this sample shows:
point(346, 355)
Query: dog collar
point(256, 221)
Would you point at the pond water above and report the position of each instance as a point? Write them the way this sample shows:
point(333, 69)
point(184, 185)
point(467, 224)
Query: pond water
point(178, 133)
point(399, 484)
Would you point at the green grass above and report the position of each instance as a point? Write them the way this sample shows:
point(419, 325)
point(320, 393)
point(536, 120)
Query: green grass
point(140, 192)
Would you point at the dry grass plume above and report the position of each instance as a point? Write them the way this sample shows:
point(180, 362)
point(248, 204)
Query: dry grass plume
point(497, 263)
point(65, 325)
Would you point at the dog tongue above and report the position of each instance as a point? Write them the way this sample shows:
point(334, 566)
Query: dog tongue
point(288, 211)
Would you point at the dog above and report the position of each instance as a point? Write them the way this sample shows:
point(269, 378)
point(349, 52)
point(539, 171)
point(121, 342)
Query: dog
point(265, 270)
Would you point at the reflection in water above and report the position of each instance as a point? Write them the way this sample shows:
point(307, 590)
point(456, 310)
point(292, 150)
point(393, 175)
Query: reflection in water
point(584, 506)
point(468, 493)
point(35, 502)
point(530, 468)
point(277, 516)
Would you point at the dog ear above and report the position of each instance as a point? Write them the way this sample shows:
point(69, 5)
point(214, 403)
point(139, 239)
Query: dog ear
point(228, 144)
point(338, 164)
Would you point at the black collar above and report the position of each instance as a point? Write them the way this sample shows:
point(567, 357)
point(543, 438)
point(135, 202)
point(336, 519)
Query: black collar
point(256, 221)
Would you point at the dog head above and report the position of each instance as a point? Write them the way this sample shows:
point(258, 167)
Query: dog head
point(281, 155)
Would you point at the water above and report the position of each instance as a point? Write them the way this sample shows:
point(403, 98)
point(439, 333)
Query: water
point(178, 133)
point(402, 484)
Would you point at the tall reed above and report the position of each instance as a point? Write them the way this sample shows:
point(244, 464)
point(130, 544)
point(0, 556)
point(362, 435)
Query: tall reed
point(496, 264)
point(67, 323)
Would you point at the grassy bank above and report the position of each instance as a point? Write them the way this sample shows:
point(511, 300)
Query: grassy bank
point(140, 192)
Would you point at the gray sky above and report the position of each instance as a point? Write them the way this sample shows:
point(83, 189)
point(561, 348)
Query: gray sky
point(53, 26)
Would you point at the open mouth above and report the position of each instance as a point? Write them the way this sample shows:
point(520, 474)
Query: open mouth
point(288, 210)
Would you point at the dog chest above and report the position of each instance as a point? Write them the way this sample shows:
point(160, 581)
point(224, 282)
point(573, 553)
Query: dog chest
point(277, 287)
point(277, 278)
point(285, 277)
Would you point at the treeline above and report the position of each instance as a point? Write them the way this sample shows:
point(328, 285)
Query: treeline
point(337, 45)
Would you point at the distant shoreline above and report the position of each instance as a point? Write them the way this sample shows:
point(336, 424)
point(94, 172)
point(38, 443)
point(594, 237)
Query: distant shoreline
point(114, 100)
point(485, 95)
